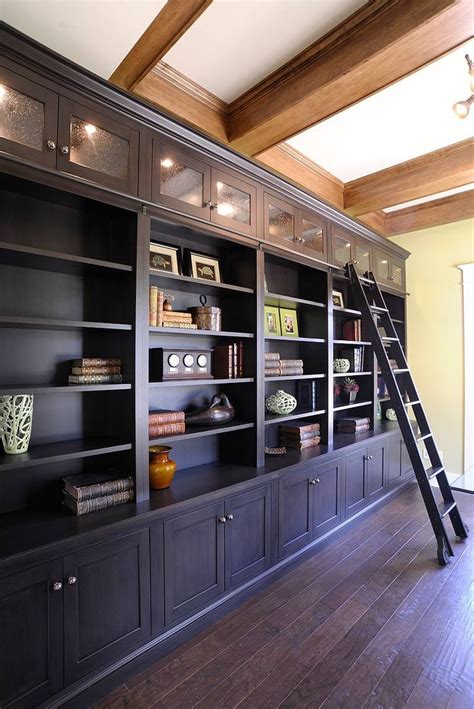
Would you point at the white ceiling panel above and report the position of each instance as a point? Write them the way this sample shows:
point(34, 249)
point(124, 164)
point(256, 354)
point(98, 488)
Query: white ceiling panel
point(97, 34)
point(236, 43)
point(431, 197)
point(405, 120)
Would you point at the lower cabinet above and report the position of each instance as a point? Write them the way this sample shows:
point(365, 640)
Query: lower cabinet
point(213, 549)
point(309, 505)
point(31, 636)
point(400, 467)
point(365, 477)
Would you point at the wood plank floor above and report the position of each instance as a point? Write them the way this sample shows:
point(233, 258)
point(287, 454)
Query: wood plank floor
point(372, 620)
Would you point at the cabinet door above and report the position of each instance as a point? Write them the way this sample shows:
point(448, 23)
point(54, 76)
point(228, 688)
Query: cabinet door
point(362, 257)
point(28, 119)
point(375, 472)
point(280, 222)
point(247, 535)
point(295, 512)
point(397, 274)
point(31, 633)
point(94, 146)
point(234, 202)
point(106, 602)
point(326, 482)
point(382, 267)
point(406, 468)
point(355, 482)
point(313, 235)
point(180, 181)
point(342, 244)
point(393, 462)
point(194, 561)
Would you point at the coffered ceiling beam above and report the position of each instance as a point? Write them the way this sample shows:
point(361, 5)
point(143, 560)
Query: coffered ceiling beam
point(378, 45)
point(175, 18)
point(430, 214)
point(374, 220)
point(444, 169)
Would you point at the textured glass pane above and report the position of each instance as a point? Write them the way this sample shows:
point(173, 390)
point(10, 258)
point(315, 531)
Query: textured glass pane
point(342, 250)
point(397, 274)
point(181, 182)
point(313, 236)
point(21, 118)
point(233, 203)
point(363, 259)
point(280, 223)
point(98, 149)
point(382, 267)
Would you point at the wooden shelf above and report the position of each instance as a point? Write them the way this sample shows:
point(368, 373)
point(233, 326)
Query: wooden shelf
point(336, 375)
point(52, 324)
point(200, 382)
point(352, 406)
point(286, 338)
point(352, 343)
point(288, 301)
point(295, 377)
point(190, 284)
point(198, 333)
point(46, 260)
point(296, 414)
point(58, 452)
point(201, 431)
point(345, 311)
point(59, 389)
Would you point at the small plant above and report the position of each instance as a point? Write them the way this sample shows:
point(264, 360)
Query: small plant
point(350, 384)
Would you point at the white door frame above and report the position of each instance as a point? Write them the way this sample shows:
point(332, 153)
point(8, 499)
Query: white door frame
point(468, 317)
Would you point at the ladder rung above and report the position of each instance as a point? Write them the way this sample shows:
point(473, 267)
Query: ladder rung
point(411, 403)
point(377, 309)
point(433, 472)
point(446, 507)
point(390, 339)
point(422, 438)
point(400, 371)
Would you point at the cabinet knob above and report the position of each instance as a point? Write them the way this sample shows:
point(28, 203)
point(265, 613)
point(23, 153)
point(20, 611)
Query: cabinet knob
point(51, 144)
point(312, 482)
point(222, 520)
point(391, 278)
point(65, 150)
point(302, 240)
point(368, 457)
point(71, 580)
point(355, 262)
point(57, 586)
point(229, 517)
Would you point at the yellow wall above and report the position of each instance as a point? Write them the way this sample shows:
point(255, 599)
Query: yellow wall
point(435, 329)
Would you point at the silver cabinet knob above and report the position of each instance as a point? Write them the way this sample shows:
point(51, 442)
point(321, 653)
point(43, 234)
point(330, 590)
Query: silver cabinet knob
point(51, 144)
point(391, 278)
point(229, 517)
point(57, 586)
point(356, 262)
point(222, 520)
point(312, 482)
point(65, 150)
point(71, 580)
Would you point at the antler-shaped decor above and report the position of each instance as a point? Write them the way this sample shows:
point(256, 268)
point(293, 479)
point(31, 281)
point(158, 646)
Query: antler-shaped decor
point(16, 417)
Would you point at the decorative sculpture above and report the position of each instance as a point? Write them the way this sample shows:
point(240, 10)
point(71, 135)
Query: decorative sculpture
point(219, 411)
point(16, 418)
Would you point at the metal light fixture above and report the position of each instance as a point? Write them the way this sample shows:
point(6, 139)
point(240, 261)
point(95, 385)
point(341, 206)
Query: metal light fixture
point(462, 108)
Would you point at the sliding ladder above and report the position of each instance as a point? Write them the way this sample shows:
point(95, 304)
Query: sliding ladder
point(375, 314)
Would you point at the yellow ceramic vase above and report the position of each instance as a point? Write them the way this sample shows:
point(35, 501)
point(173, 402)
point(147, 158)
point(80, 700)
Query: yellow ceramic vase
point(162, 469)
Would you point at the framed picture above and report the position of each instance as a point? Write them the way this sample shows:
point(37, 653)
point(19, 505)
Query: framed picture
point(289, 322)
point(272, 321)
point(203, 266)
point(338, 298)
point(165, 258)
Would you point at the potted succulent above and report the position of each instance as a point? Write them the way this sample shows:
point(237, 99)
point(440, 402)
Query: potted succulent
point(349, 390)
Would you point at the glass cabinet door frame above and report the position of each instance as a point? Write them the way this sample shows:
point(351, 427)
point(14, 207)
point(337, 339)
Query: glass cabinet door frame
point(271, 199)
point(397, 263)
point(365, 244)
point(337, 231)
point(47, 155)
point(69, 108)
point(314, 218)
point(160, 147)
point(228, 178)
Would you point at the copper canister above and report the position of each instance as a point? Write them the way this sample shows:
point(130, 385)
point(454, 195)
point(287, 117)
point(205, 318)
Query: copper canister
point(206, 317)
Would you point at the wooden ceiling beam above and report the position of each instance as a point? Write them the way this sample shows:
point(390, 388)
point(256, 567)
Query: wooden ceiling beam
point(444, 169)
point(174, 19)
point(374, 220)
point(378, 45)
point(445, 210)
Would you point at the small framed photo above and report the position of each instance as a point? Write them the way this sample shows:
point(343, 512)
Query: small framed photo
point(203, 266)
point(289, 322)
point(272, 321)
point(338, 298)
point(165, 258)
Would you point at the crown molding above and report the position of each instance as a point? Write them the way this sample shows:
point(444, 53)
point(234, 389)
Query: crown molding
point(191, 88)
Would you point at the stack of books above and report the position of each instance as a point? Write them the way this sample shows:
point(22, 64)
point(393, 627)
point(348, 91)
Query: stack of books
point(96, 370)
point(353, 424)
point(276, 367)
point(355, 355)
point(95, 491)
point(300, 435)
point(229, 361)
point(158, 317)
point(165, 423)
point(352, 330)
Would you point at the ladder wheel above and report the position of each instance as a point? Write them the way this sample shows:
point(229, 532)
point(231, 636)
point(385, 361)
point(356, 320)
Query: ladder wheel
point(443, 553)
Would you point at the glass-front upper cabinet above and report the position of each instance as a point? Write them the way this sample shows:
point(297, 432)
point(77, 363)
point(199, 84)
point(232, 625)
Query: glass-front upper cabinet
point(362, 257)
point(28, 119)
point(389, 271)
point(313, 235)
point(397, 274)
point(233, 202)
point(280, 221)
point(94, 146)
point(382, 267)
point(342, 247)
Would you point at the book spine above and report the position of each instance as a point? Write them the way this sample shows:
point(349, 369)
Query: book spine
point(299, 437)
point(362, 429)
point(97, 362)
point(183, 325)
point(235, 360)
point(88, 371)
point(171, 315)
point(353, 421)
point(272, 372)
point(166, 429)
point(315, 441)
point(297, 430)
point(223, 362)
point(291, 363)
point(96, 379)
point(165, 417)
point(159, 308)
point(241, 367)
point(112, 487)
point(153, 306)
point(272, 355)
point(291, 371)
point(99, 503)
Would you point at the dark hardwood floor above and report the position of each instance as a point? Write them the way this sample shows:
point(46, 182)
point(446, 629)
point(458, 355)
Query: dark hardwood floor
point(372, 620)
